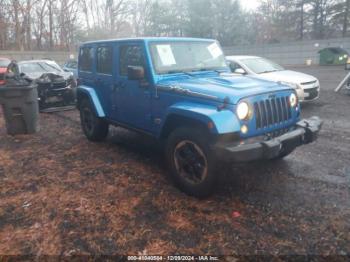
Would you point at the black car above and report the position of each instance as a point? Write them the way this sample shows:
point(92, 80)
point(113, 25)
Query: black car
point(55, 86)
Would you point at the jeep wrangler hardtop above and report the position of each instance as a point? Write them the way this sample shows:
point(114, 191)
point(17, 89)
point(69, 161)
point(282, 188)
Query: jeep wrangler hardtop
point(181, 91)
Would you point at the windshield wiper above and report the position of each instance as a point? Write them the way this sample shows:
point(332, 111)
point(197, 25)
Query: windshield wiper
point(268, 71)
point(212, 69)
point(179, 72)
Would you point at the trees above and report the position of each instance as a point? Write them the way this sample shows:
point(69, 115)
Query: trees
point(200, 14)
point(299, 19)
point(230, 23)
point(62, 24)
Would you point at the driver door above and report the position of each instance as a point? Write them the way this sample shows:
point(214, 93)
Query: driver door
point(132, 97)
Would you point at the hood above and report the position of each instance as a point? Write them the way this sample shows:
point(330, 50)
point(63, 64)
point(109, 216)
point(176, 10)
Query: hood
point(288, 76)
point(229, 86)
point(33, 76)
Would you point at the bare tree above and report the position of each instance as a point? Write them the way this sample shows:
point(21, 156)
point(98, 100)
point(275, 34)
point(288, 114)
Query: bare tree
point(61, 24)
point(38, 21)
point(141, 16)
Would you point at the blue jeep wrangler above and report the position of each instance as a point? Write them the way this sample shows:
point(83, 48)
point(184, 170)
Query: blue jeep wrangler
point(181, 91)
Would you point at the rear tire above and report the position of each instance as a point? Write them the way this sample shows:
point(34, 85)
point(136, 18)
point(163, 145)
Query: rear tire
point(191, 162)
point(94, 128)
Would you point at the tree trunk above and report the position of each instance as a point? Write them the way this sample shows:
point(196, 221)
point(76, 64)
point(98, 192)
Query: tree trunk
point(86, 13)
point(15, 4)
point(346, 18)
point(50, 25)
point(28, 27)
point(301, 34)
point(315, 25)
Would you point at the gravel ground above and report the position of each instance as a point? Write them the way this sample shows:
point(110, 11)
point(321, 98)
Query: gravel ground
point(62, 195)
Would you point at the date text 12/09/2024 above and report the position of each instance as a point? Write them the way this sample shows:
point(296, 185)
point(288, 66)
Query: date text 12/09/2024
point(172, 258)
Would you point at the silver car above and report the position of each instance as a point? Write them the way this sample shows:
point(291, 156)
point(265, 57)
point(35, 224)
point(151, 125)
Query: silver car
point(306, 86)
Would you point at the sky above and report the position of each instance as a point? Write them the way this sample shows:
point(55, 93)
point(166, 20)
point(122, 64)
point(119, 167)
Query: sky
point(249, 4)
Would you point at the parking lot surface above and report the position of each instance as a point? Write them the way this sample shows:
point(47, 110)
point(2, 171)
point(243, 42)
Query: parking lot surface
point(63, 195)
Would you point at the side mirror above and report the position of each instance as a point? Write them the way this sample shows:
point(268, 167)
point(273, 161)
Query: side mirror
point(240, 71)
point(136, 73)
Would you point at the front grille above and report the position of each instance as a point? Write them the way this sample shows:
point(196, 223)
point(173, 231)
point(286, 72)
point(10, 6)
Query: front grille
point(59, 85)
point(272, 111)
point(313, 93)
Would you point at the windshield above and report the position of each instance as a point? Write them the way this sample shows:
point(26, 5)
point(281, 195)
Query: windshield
point(4, 62)
point(261, 65)
point(40, 67)
point(177, 57)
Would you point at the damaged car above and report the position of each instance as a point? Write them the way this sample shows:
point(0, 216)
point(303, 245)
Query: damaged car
point(55, 86)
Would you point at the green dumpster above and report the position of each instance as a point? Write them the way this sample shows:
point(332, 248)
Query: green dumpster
point(333, 56)
point(19, 102)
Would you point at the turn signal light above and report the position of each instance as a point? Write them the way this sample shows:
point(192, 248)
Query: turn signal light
point(244, 129)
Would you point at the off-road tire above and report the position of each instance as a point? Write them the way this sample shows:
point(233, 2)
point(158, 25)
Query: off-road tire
point(200, 141)
point(94, 128)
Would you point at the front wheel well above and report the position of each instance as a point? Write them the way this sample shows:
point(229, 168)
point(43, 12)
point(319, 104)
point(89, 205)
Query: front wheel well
point(176, 121)
point(81, 96)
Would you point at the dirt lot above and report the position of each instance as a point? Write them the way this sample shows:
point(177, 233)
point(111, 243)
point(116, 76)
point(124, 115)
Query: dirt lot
point(60, 194)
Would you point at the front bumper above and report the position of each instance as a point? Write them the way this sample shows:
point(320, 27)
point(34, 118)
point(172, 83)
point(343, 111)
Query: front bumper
point(306, 132)
point(309, 94)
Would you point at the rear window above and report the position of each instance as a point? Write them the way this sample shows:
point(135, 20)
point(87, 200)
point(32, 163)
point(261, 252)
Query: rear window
point(105, 60)
point(86, 59)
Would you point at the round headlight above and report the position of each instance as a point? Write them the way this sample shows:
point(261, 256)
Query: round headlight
point(293, 100)
point(243, 110)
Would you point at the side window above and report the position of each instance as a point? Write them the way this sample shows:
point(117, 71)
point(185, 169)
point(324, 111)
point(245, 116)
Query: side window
point(105, 60)
point(130, 55)
point(86, 58)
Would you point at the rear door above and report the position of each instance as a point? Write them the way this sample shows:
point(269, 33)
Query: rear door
point(132, 97)
point(86, 70)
